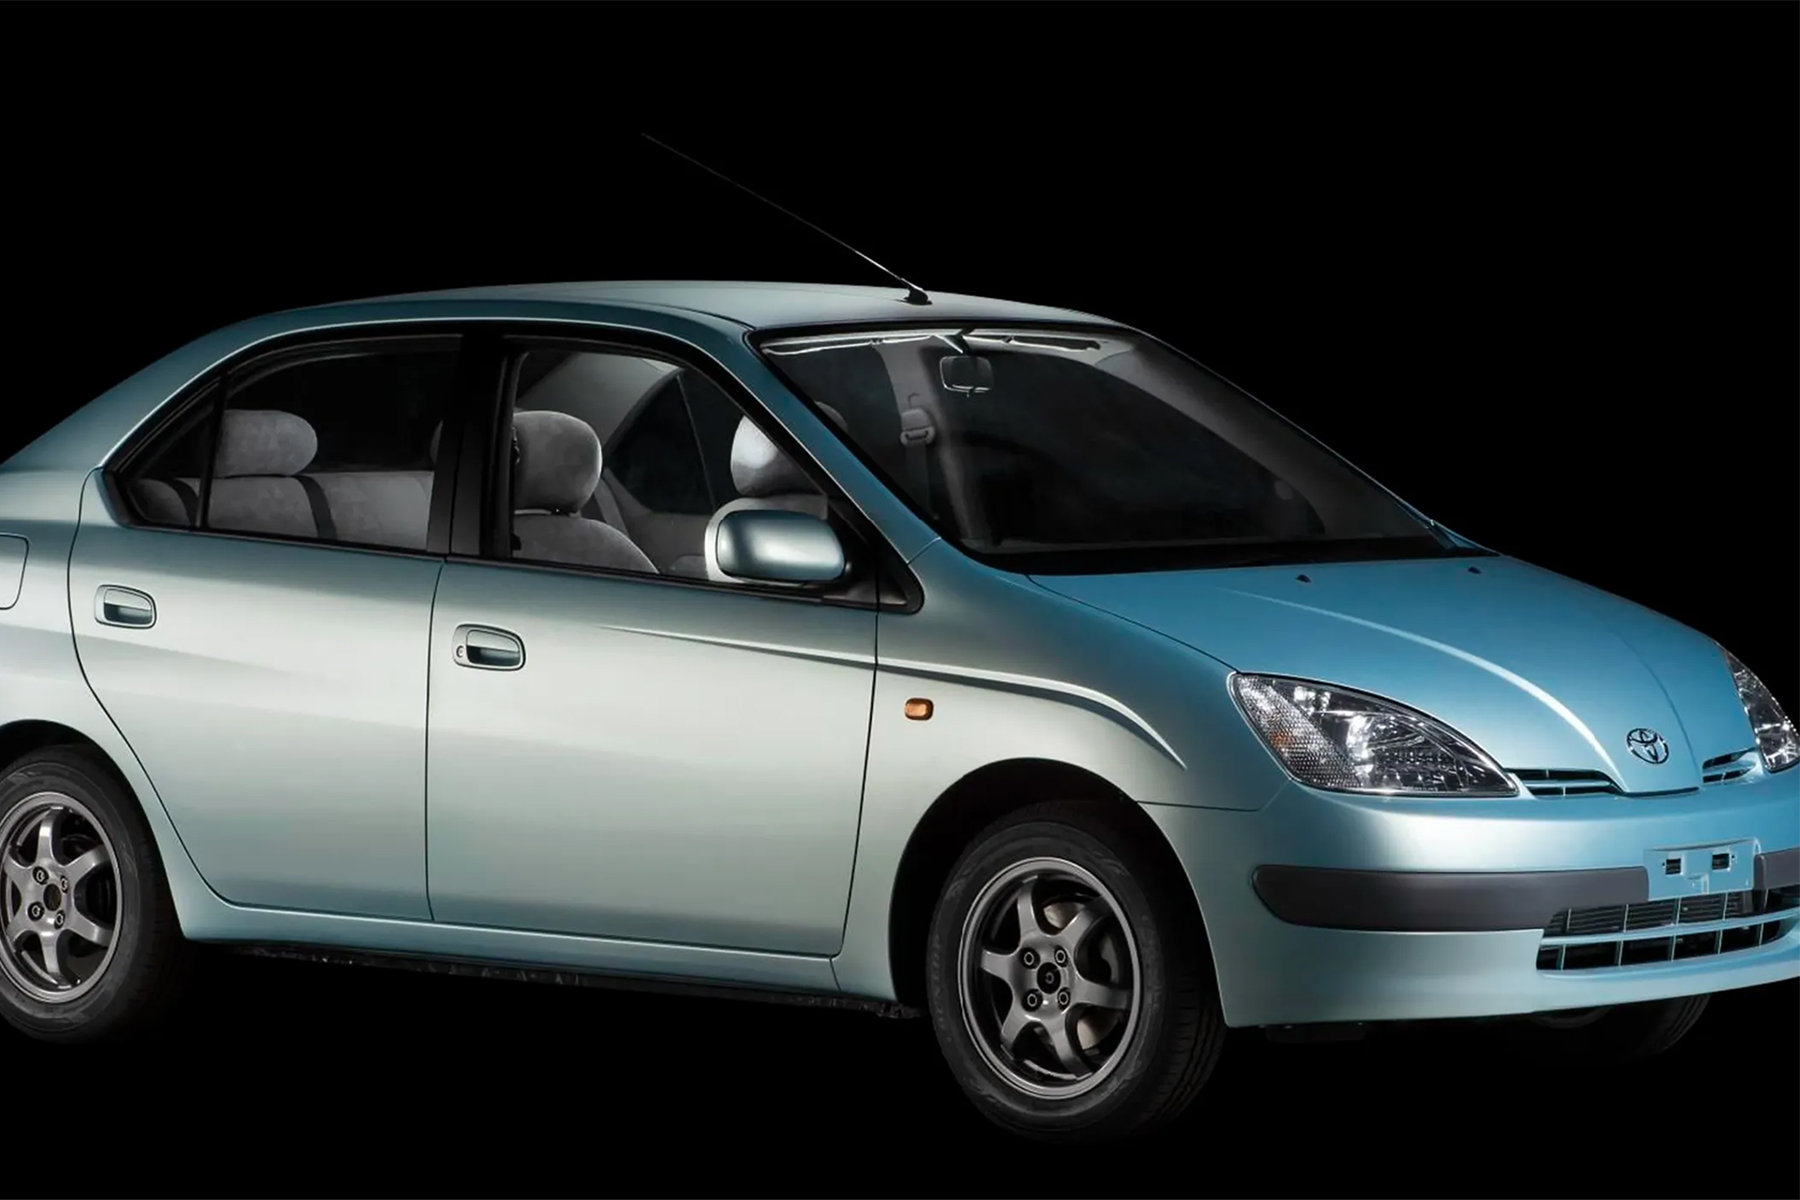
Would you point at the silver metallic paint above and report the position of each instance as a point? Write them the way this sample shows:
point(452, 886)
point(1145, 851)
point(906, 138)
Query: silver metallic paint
point(13, 552)
point(638, 778)
point(313, 658)
point(1478, 651)
point(1105, 676)
point(777, 546)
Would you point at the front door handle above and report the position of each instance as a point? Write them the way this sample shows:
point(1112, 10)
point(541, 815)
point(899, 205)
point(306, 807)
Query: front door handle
point(489, 649)
point(124, 607)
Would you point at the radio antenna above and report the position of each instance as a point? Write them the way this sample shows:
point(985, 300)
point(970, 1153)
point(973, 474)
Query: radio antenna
point(914, 293)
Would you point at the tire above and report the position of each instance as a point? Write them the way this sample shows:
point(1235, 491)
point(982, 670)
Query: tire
point(1148, 1035)
point(105, 988)
point(1631, 1032)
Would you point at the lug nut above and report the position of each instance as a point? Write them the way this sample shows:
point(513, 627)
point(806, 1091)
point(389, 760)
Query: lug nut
point(1062, 958)
point(63, 883)
point(1062, 997)
point(1032, 1000)
point(35, 911)
point(1029, 958)
point(59, 921)
point(40, 874)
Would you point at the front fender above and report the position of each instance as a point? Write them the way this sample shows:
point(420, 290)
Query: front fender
point(1016, 672)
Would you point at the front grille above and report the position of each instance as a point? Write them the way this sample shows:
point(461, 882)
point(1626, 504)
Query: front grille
point(1567, 783)
point(1727, 767)
point(1650, 914)
point(1622, 935)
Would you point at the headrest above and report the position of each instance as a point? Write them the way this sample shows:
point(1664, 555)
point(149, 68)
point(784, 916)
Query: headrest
point(835, 417)
point(758, 468)
point(263, 442)
point(558, 464)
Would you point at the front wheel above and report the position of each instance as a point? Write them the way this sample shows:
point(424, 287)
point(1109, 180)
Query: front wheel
point(1068, 978)
point(1631, 1032)
point(89, 942)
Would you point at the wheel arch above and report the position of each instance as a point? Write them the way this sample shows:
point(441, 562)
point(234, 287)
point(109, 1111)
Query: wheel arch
point(26, 736)
point(963, 810)
point(19, 738)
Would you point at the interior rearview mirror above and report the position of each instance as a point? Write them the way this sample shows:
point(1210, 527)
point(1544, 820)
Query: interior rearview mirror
point(776, 545)
point(966, 373)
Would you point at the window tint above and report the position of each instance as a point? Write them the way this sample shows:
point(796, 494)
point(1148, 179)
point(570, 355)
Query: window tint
point(162, 484)
point(640, 504)
point(601, 389)
point(621, 461)
point(855, 385)
point(1091, 450)
point(716, 418)
point(334, 444)
point(657, 458)
point(1062, 452)
point(371, 408)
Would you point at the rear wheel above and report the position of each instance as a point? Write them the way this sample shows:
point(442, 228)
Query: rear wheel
point(89, 942)
point(1068, 978)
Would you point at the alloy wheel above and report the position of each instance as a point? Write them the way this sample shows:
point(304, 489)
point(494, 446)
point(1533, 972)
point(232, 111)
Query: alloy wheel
point(60, 900)
point(1050, 983)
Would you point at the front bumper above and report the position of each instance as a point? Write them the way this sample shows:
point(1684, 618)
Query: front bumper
point(1329, 908)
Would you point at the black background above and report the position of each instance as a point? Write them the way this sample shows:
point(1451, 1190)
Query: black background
point(1532, 268)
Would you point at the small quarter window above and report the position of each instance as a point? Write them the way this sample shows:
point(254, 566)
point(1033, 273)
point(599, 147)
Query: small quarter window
point(658, 457)
point(162, 484)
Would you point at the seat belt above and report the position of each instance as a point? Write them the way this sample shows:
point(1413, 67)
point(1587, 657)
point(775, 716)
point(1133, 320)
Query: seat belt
point(190, 499)
point(917, 433)
point(321, 511)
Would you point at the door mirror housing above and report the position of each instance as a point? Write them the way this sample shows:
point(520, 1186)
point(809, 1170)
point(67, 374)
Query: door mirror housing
point(776, 545)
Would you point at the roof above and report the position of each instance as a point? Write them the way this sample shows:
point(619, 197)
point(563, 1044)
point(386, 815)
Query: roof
point(714, 315)
point(756, 305)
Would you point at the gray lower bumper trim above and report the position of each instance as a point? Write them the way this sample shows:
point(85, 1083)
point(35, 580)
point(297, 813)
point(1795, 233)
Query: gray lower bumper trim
point(1780, 869)
point(1464, 901)
point(1440, 901)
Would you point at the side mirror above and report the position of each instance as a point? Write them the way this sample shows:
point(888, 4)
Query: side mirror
point(776, 545)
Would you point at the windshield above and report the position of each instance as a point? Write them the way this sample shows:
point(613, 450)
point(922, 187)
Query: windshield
point(1081, 450)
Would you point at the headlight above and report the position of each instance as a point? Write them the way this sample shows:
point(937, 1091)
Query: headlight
point(1775, 735)
point(1347, 741)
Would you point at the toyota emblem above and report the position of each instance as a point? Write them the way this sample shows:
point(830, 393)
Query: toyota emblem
point(1648, 745)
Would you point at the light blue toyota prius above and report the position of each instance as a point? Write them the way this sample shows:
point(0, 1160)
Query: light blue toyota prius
point(866, 648)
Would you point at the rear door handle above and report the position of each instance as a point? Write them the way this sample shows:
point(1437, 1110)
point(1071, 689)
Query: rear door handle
point(124, 607)
point(488, 649)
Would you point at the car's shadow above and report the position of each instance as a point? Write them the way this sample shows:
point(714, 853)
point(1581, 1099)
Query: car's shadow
point(283, 1076)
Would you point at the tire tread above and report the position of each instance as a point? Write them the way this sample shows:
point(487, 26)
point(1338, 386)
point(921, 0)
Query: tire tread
point(1195, 1033)
point(165, 956)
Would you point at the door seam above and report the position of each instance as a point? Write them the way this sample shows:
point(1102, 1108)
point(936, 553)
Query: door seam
point(425, 772)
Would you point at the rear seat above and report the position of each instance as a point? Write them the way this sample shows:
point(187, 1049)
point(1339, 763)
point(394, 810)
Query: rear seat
point(261, 485)
point(166, 501)
point(378, 508)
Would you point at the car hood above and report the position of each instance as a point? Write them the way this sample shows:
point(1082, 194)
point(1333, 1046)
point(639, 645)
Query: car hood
point(1542, 672)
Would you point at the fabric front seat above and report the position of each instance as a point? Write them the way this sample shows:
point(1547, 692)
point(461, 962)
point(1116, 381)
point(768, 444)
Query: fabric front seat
point(556, 470)
point(765, 478)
